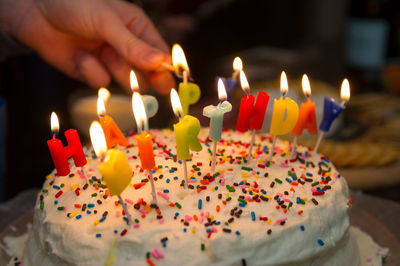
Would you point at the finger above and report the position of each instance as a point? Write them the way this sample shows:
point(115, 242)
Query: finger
point(132, 49)
point(120, 70)
point(162, 82)
point(141, 26)
point(90, 68)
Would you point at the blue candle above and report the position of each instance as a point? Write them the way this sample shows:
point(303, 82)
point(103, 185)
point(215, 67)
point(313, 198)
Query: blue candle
point(331, 111)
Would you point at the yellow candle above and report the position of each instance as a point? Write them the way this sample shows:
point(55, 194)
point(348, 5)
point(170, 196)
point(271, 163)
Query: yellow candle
point(186, 132)
point(281, 125)
point(116, 171)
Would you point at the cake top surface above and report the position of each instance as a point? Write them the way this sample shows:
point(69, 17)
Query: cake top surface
point(244, 212)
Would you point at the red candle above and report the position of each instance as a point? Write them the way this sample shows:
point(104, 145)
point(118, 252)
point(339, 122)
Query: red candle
point(250, 115)
point(60, 154)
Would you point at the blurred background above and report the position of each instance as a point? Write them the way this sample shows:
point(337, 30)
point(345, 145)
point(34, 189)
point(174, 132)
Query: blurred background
point(329, 40)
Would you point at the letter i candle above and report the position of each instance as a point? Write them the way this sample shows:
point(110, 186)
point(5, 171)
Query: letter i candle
point(114, 167)
point(189, 92)
point(251, 115)
point(307, 118)
point(332, 110)
point(279, 124)
point(144, 139)
point(186, 131)
point(60, 154)
point(216, 115)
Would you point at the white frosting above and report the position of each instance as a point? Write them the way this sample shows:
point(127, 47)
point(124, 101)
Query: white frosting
point(60, 240)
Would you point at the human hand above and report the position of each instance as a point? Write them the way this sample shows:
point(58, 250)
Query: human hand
point(91, 40)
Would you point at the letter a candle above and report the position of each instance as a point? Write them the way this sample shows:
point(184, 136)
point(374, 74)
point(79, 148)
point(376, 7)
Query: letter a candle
point(60, 154)
point(144, 139)
point(112, 133)
point(186, 131)
point(332, 110)
point(251, 115)
point(307, 118)
point(116, 172)
point(189, 92)
point(216, 115)
point(279, 124)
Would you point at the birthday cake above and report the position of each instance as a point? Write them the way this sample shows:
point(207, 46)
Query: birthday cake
point(289, 211)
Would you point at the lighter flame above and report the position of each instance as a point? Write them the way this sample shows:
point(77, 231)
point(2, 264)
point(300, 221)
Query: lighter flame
point(101, 109)
point(345, 91)
point(98, 139)
point(176, 103)
point(179, 60)
point(134, 81)
point(55, 125)
point(284, 83)
point(104, 94)
point(237, 64)
point(305, 83)
point(243, 82)
point(221, 90)
point(139, 112)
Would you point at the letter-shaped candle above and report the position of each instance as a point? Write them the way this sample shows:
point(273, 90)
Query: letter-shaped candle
point(216, 115)
point(230, 83)
point(115, 169)
point(186, 131)
point(150, 102)
point(307, 118)
point(60, 154)
point(332, 110)
point(189, 92)
point(113, 134)
point(250, 114)
point(283, 106)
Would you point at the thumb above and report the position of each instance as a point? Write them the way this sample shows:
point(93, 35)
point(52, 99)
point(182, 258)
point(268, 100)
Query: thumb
point(130, 47)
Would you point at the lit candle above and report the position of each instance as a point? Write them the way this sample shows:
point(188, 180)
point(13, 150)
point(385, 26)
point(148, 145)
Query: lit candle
point(216, 115)
point(186, 131)
point(116, 172)
point(150, 102)
point(231, 82)
point(189, 92)
point(281, 125)
point(113, 134)
point(104, 94)
point(332, 110)
point(307, 118)
point(60, 154)
point(251, 115)
point(144, 139)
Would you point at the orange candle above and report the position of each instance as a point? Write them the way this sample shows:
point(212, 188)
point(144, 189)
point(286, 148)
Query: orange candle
point(145, 145)
point(307, 119)
point(112, 133)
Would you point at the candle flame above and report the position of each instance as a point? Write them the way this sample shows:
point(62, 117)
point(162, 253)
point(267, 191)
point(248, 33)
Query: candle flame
point(243, 82)
point(139, 112)
point(98, 139)
point(237, 64)
point(345, 91)
point(55, 125)
point(221, 90)
point(104, 94)
point(284, 83)
point(101, 109)
point(306, 85)
point(176, 103)
point(134, 81)
point(179, 60)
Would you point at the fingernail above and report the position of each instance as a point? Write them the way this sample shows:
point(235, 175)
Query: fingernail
point(153, 57)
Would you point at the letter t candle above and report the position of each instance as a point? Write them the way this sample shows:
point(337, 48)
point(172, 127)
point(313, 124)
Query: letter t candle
point(216, 115)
